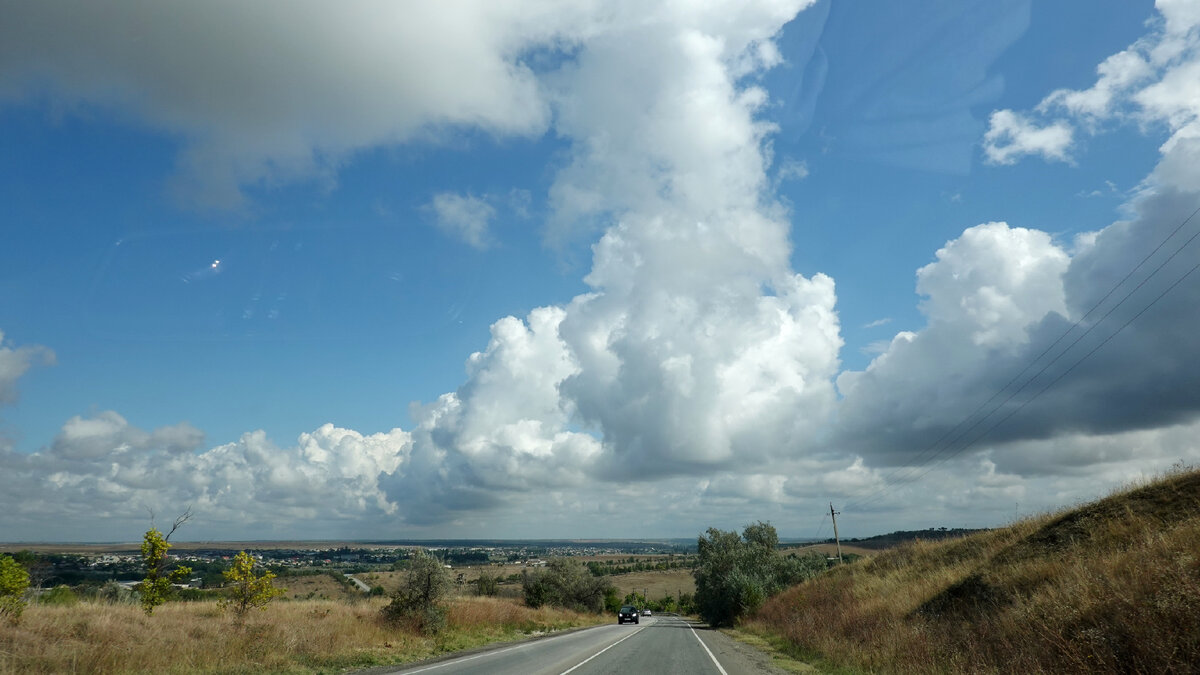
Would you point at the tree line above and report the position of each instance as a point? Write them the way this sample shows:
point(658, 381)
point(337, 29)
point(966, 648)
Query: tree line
point(735, 573)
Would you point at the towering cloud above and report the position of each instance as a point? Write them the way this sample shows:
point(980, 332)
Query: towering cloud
point(697, 357)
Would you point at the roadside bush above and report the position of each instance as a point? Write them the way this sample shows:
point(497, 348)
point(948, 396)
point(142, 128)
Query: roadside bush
point(14, 581)
point(564, 582)
point(420, 599)
point(612, 600)
point(736, 575)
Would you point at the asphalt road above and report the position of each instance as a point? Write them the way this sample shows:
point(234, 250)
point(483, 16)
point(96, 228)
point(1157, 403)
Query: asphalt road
point(660, 644)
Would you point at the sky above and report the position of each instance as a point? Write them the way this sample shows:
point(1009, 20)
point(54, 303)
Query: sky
point(593, 269)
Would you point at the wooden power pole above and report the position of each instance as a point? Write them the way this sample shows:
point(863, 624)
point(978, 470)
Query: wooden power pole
point(833, 515)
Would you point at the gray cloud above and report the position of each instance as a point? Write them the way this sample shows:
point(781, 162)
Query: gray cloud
point(277, 91)
point(1127, 368)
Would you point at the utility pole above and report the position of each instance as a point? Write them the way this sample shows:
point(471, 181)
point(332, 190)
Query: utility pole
point(833, 515)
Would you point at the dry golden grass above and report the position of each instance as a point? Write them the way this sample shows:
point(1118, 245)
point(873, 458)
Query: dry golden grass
point(1113, 586)
point(288, 637)
point(658, 584)
point(312, 587)
point(830, 550)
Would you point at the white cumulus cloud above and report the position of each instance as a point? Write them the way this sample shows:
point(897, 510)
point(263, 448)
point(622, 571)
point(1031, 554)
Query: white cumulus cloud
point(1011, 135)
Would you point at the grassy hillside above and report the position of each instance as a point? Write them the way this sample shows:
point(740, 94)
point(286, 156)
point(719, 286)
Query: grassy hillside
point(1113, 586)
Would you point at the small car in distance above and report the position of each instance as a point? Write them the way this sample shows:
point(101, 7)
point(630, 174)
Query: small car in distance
point(628, 613)
point(646, 612)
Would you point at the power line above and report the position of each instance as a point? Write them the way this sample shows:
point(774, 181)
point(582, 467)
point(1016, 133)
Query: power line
point(893, 478)
point(1051, 383)
point(1001, 390)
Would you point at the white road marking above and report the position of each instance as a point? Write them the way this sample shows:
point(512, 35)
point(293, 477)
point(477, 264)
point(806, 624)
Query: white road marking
point(454, 662)
point(608, 648)
point(710, 654)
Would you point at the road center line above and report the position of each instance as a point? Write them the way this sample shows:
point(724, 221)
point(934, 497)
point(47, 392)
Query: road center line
point(608, 648)
point(710, 654)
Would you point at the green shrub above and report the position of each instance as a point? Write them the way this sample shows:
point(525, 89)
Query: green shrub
point(420, 599)
point(565, 582)
point(59, 595)
point(14, 581)
point(247, 588)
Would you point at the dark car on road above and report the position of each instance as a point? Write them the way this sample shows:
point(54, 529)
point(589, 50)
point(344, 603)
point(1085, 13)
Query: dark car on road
point(628, 613)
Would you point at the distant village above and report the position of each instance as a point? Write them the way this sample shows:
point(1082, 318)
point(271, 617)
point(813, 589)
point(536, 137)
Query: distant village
point(125, 567)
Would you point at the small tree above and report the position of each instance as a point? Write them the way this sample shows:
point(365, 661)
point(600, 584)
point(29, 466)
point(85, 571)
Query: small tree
point(157, 584)
point(14, 581)
point(419, 599)
point(487, 584)
point(612, 601)
point(249, 589)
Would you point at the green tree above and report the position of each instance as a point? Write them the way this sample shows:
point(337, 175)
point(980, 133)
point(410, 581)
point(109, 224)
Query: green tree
point(14, 581)
point(565, 582)
point(636, 599)
point(419, 601)
point(155, 588)
point(249, 589)
point(735, 575)
point(612, 600)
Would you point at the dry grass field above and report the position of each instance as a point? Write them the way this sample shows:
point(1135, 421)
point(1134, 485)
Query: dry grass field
point(656, 584)
point(829, 550)
point(288, 637)
point(1113, 586)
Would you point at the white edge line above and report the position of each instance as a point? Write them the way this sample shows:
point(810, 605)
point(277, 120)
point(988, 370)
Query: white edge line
point(451, 662)
point(608, 648)
point(710, 654)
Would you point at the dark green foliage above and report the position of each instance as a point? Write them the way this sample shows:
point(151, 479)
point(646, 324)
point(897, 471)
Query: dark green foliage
point(636, 599)
point(687, 604)
point(419, 601)
point(612, 601)
point(564, 582)
point(736, 574)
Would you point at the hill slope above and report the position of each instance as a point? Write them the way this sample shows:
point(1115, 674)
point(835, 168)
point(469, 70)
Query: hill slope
point(1113, 586)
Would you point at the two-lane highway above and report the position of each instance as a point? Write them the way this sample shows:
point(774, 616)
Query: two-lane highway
point(659, 644)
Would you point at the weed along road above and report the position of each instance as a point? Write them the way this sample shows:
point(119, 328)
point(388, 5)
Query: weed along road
point(660, 644)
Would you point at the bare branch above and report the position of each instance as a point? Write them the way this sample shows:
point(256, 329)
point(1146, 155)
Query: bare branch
point(183, 518)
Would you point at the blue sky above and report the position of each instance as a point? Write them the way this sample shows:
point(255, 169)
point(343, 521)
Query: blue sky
point(503, 269)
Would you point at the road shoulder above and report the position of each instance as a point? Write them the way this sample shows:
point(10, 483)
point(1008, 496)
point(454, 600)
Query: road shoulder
point(472, 651)
point(768, 655)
